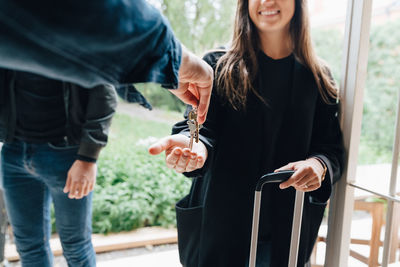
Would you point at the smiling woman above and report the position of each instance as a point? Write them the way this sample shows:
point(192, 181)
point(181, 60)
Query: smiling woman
point(271, 16)
point(273, 108)
point(276, 38)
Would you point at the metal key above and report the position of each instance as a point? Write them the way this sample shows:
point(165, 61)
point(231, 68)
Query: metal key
point(194, 127)
point(192, 130)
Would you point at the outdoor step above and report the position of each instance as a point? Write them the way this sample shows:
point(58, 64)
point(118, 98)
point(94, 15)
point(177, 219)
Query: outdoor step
point(149, 236)
point(167, 258)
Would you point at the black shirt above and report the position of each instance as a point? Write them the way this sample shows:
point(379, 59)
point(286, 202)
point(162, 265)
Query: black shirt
point(41, 115)
point(275, 74)
point(276, 81)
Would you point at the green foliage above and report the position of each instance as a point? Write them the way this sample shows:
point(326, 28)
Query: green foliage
point(200, 24)
point(382, 85)
point(381, 92)
point(133, 188)
point(328, 46)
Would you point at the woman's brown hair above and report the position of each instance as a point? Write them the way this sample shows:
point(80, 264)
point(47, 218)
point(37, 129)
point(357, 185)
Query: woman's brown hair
point(237, 69)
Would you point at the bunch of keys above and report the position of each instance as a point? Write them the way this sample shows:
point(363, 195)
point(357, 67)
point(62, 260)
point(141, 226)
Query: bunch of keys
point(194, 127)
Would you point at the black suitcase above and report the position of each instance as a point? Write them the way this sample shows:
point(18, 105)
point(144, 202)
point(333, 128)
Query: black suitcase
point(277, 177)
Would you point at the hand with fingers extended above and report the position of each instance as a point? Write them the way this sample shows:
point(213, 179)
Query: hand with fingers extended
point(81, 179)
point(178, 155)
point(308, 175)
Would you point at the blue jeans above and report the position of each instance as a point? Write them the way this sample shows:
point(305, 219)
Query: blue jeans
point(32, 176)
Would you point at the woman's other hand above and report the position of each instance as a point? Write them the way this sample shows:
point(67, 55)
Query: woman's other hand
point(308, 175)
point(178, 155)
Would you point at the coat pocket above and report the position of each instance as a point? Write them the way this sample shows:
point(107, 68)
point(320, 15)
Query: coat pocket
point(189, 220)
point(61, 146)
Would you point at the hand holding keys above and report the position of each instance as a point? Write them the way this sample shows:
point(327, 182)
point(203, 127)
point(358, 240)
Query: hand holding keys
point(178, 156)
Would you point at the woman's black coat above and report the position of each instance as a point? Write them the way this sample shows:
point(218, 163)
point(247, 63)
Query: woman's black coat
point(214, 220)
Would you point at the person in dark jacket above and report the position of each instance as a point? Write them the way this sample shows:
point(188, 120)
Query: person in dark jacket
point(274, 108)
point(53, 132)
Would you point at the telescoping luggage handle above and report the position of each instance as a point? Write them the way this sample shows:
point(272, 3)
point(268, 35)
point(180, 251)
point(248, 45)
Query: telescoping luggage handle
point(277, 177)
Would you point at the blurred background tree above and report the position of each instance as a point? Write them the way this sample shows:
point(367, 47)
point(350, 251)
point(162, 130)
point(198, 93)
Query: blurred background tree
point(382, 86)
point(200, 25)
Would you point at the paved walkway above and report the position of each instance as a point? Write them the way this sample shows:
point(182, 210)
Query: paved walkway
point(164, 258)
point(167, 255)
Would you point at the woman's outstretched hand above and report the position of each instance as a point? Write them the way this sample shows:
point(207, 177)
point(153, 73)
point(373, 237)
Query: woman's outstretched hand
point(178, 155)
point(308, 175)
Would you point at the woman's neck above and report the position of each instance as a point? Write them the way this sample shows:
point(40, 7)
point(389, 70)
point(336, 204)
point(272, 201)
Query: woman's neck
point(276, 45)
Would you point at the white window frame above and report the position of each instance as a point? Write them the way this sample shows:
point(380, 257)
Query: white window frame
point(354, 73)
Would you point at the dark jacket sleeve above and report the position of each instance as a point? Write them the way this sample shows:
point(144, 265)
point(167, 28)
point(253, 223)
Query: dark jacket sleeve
point(209, 132)
point(101, 106)
point(327, 145)
point(89, 42)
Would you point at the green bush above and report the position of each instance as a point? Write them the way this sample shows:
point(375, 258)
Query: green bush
point(135, 189)
point(381, 92)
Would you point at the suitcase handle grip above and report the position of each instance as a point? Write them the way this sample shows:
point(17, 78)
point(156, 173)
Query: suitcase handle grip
point(274, 177)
